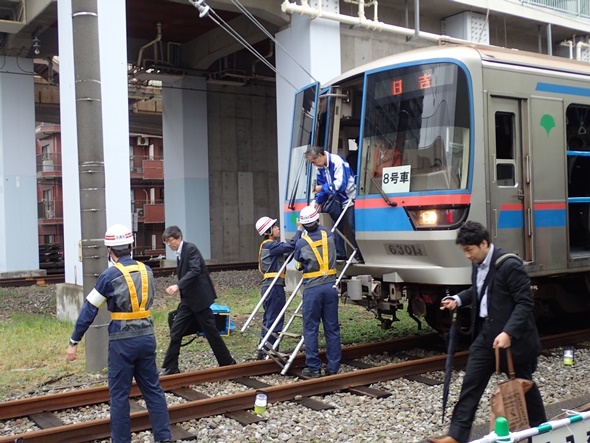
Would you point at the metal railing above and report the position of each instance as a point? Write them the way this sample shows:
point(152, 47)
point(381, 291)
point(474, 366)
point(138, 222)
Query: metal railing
point(49, 162)
point(139, 205)
point(137, 163)
point(575, 7)
point(49, 210)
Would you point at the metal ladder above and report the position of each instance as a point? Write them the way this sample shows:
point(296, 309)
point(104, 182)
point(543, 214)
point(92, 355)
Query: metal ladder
point(286, 360)
point(252, 316)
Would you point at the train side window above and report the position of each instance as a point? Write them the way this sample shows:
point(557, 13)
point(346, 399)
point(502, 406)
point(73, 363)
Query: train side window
point(505, 147)
point(578, 169)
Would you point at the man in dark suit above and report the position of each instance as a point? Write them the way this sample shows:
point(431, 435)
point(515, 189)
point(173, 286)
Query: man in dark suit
point(196, 296)
point(502, 316)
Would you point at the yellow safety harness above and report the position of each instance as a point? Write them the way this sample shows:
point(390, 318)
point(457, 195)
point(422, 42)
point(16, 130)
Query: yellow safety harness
point(266, 274)
point(323, 260)
point(137, 311)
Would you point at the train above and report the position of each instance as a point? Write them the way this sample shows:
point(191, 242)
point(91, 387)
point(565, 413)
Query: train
point(489, 134)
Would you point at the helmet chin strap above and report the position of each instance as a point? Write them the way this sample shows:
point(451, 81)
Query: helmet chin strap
point(112, 257)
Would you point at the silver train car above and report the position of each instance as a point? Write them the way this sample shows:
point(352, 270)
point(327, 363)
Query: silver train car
point(481, 133)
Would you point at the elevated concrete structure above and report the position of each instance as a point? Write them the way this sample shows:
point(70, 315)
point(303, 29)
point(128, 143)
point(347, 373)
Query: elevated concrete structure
point(247, 125)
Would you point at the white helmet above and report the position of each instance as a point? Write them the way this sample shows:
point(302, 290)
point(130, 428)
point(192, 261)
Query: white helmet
point(118, 235)
point(308, 215)
point(264, 224)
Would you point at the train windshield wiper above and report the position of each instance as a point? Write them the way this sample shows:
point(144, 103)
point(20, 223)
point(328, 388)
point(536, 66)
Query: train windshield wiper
point(382, 192)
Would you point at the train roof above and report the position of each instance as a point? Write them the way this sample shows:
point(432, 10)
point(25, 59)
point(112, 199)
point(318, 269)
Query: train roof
point(493, 54)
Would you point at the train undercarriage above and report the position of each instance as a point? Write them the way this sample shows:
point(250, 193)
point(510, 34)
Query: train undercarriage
point(562, 301)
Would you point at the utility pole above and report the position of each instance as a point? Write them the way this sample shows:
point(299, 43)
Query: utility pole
point(91, 168)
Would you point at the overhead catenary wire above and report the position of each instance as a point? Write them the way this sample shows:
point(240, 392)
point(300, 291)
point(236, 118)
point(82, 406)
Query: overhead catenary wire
point(269, 35)
point(207, 11)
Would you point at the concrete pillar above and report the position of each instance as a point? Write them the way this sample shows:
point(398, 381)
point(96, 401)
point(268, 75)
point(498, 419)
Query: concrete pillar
point(112, 28)
point(115, 136)
point(315, 44)
point(69, 146)
point(19, 242)
point(115, 117)
point(186, 161)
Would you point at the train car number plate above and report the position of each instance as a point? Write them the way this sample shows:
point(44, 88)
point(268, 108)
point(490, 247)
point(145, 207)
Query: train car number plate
point(415, 249)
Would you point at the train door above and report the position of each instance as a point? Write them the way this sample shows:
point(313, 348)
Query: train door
point(511, 215)
point(299, 178)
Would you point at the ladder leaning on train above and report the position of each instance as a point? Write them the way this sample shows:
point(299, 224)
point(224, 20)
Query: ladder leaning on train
point(285, 360)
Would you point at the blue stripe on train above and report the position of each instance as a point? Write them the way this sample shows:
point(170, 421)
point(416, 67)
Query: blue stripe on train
point(544, 218)
point(395, 219)
point(382, 219)
point(563, 89)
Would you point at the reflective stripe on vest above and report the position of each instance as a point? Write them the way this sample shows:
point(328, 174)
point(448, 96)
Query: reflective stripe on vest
point(266, 275)
point(323, 261)
point(138, 311)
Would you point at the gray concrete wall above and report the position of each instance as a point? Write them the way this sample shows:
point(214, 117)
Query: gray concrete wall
point(242, 167)
point(360, 46)
point(69, 300)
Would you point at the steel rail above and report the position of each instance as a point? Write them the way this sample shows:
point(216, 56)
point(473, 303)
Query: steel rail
point(83, 397)
point(51, 279)
point(97, 429)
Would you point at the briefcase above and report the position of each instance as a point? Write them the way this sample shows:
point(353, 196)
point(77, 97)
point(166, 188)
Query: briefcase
point(192, 329)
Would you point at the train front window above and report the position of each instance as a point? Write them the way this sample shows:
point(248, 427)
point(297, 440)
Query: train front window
point(305, 109)
point(416, 130)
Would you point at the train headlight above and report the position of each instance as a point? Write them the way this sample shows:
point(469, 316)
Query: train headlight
point(428, 218)
point(437, 218)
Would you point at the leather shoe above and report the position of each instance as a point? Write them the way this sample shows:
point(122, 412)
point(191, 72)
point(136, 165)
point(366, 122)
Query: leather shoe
point(169, 371)
point(447, 439)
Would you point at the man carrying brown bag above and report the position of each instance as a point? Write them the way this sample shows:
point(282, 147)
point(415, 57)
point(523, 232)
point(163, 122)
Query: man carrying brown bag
point(502, 317)
point(509, 401)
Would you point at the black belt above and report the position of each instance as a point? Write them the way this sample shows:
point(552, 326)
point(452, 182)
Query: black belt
point(485, 321)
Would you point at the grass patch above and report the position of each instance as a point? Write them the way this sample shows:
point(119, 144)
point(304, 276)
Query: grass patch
point(33, 346)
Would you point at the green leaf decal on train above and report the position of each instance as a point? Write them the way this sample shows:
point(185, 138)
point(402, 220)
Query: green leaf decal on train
point(548, 123)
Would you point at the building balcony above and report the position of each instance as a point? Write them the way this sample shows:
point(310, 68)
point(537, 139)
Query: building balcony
point(50, 212)
point(49, 165)
point(147, 168)
point(574, 7)
point(148, 212)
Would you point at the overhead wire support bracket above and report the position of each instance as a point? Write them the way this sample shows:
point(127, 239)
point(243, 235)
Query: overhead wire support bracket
point(201, 6)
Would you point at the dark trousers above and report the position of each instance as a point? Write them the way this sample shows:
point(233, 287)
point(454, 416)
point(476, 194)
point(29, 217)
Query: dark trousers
point(273, 304)
point(185, 317)
point(131, 358)
point(480, 367)
point(347, 220)
point(320, 303)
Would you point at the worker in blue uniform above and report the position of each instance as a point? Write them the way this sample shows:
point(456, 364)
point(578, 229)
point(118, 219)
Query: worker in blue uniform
point(127, 288)
point(271, 258)
point(316, 254)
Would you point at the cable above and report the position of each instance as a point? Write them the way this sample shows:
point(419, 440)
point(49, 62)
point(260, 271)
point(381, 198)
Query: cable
point(269, 35)
point(205, 10)
point(19, 67)
point(485, 25)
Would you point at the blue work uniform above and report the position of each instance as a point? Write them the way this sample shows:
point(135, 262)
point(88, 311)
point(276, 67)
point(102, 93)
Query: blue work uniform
point(128, 290)
point(271, 258)
point(337, 178)
point(316, 252)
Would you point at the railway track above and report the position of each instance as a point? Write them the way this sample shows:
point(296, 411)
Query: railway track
point(52, 279)
point(199, 405)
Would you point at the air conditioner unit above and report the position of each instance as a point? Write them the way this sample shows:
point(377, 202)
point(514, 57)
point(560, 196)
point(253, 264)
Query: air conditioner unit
point(143, 141)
